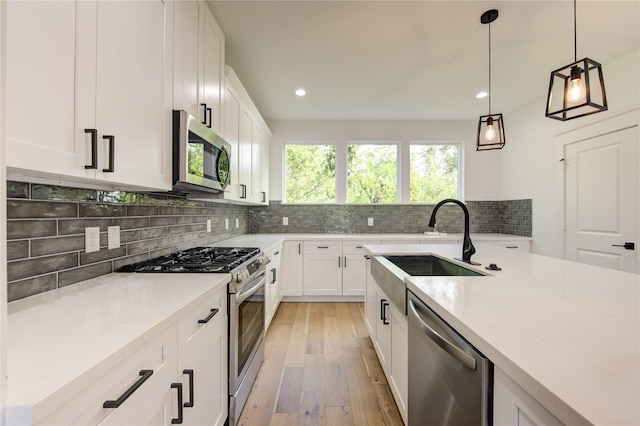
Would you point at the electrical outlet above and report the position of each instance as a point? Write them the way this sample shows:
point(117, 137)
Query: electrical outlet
point(237, 223)
point(113, 237)
point(285, 221)
point(208, 225)
point(370, 221)
point(91, 239)
point(226, 224)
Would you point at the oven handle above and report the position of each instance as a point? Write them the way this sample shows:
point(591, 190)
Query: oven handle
point(242, 296)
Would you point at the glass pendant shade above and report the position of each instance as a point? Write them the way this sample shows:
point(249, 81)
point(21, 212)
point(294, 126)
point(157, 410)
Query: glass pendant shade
point(490, 132)
point(576, 90)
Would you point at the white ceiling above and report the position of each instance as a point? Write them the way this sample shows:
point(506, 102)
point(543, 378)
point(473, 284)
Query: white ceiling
point(421, 60)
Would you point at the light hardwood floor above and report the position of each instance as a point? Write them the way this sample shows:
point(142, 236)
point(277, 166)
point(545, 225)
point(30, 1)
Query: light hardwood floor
point(320, 368)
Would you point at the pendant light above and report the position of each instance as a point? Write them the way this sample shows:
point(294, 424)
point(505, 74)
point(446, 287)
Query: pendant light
point(577, 89)
point(490, 127)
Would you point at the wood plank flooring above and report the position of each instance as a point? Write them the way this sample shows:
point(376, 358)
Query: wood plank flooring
point(320, 368)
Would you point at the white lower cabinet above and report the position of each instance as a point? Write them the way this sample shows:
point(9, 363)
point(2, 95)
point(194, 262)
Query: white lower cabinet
point(202, 362)
point(513, 406)
point(273, 286)
point(187, 363)
point(334, 268)
point(387, 328)
point(291, 267)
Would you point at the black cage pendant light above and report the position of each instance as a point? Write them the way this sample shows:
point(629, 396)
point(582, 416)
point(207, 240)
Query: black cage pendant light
point(491, 126)
point(577, 89)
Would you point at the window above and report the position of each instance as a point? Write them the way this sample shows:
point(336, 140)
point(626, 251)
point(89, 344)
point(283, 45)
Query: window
point(310, 173)
point(434, 172)
point(371, 173)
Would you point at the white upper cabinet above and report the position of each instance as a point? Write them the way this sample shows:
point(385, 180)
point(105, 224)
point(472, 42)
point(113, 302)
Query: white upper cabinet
point(198, 64)
point(98, 105)
point(249, 136)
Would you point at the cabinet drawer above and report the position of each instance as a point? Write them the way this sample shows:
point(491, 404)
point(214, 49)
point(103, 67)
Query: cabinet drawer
point(323, 247)
point(189, 325)
point(356, 247)
point(86, 407)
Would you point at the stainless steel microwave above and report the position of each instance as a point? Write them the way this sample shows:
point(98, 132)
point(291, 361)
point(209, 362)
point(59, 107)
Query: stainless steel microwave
point(201, 159)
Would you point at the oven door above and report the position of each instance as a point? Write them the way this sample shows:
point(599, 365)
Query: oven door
point(246, 327)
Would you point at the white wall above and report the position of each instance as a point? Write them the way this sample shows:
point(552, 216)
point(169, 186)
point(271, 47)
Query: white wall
point(530, 166)
point(482, 169)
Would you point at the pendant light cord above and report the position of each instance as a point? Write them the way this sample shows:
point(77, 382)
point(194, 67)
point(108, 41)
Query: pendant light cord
point(490, 68)
point(575, 33)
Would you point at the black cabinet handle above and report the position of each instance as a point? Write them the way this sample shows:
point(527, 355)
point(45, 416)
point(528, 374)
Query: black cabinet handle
point(209, 111)
point(94, 149)
point(264, 197)
point(115, 403)
point(213, 313)
point(178, 420)
point(382, 301)
point(339, 261)
point(299, 248)
point(189, 373)
point(273, 276)
point(243, 190)
point(345, 261)
point(323, 247)
point(112, 153)
point(204, 113)
point(384, 313)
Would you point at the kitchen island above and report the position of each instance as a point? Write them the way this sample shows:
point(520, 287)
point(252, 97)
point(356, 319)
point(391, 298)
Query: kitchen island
point(566, 333)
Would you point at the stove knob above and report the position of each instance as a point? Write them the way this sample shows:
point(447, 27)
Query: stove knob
point(264, 260)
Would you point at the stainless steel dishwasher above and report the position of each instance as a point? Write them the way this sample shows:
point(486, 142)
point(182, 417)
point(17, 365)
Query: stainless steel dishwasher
point(450, 382)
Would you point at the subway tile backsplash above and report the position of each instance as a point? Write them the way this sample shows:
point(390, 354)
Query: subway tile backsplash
point(500, 217)
point(45, 227)
point(45, 232)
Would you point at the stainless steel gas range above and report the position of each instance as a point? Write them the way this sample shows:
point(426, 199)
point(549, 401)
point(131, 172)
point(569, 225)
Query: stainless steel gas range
point(246, 303)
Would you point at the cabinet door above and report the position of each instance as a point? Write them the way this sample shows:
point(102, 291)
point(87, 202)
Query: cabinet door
point(273, 286)
point(202, 363)
point(292, 268)
point(354, 275)
point(323, 275)
point(40, 73)
point(232, 136)
point(382, 343)
point(264, 136)
point(245, 155)
point(133, 86)
point(213, 70)
point(399, 380)
point(256, 166)
point(187, 23)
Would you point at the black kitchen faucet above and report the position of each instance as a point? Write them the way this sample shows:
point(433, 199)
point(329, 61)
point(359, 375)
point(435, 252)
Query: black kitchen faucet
point(467, 246)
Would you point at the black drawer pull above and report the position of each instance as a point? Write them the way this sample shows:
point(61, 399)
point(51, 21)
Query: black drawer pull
point(178, 420)
point(189, 373)
point(94, 149)
point(213, 313)
point(323, 247)
point(112, 153)
point(144, 376)
point(512, 247)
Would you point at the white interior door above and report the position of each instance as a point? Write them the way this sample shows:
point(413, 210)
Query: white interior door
point(601, 200)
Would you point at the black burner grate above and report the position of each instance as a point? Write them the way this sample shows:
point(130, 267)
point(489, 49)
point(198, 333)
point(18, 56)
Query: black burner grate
point(197, 259)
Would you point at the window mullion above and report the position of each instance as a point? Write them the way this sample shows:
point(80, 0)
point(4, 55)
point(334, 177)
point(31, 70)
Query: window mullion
point(341, 172)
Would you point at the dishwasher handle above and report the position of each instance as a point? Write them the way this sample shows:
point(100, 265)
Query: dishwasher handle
point(449, 347)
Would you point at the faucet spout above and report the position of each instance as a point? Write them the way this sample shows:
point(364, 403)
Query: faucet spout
point(467, 246)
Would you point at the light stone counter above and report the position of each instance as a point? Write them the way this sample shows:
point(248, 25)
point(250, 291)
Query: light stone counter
point(61, 341)
point(568, 333)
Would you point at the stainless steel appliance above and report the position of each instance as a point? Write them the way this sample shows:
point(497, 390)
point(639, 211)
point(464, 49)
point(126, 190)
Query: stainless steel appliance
point(246, 303)
point(450, 382)
point(201, 159)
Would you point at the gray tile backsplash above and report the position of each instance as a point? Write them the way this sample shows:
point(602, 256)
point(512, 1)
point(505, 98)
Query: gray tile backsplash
point(45, 227)
point(500, 217)
point(45, 232)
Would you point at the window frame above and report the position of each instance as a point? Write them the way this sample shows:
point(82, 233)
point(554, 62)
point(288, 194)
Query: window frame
point(403, 169)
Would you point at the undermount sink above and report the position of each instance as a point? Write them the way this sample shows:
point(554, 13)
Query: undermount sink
point(427, 265)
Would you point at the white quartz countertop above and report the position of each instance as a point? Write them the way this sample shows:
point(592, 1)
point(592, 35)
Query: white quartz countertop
point(60, 341)
point(267, 241)
point(568, 333)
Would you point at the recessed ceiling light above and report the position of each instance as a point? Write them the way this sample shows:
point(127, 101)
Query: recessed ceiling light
point(481, 95)
point(301, 92)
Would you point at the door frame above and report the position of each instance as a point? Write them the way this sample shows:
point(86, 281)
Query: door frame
point(620, 121)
